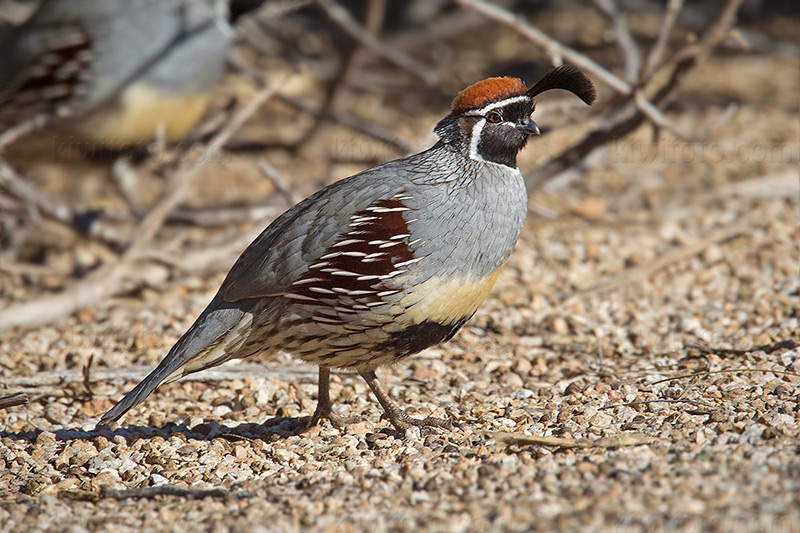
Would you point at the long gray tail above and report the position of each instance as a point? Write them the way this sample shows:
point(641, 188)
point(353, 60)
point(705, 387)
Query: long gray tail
point(207, 331)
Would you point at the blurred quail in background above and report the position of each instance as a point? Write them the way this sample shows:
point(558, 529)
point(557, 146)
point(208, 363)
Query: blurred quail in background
point(383, 264)
point(117, 70)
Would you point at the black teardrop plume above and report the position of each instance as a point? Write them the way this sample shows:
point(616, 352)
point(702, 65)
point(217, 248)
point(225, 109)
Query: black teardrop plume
point(568, 78)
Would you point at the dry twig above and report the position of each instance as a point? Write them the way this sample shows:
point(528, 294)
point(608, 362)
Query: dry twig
point(111, 279)
point(342, 17)
point(558, 53)
point(726, 371)
point(57, 378)
point(670, 400)
point(342, 118)
point(32, 197)
point(629, 51)
point(278, 181)
point(352, 122)
point(87, 380)
point(633, 110)
point(519, 439)
point(170, 490)
point(12, 400)
point(656, 54)
point(788, 344)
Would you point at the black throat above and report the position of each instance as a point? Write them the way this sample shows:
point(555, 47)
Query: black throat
point(499, 148)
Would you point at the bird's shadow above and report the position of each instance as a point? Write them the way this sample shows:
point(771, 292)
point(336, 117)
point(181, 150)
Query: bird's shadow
point(271, 430)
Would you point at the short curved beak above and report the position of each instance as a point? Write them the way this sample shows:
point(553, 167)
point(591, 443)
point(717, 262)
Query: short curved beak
point(529, 127)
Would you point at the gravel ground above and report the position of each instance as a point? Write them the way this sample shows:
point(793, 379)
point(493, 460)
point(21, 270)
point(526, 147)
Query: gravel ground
point(655, 295)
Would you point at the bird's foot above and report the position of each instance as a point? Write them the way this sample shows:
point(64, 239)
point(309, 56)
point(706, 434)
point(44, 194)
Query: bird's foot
point(402, 421)
point(338, 421)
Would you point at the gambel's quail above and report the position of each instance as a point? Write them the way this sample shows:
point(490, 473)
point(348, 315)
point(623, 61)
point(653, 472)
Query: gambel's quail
point(383, 264)
point(116, 70)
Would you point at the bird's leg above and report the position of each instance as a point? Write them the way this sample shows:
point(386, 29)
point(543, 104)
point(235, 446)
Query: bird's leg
point(397, 416)
point(323, 409)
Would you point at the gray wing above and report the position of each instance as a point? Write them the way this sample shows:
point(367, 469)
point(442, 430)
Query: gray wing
point(278, 257)
point(299, 237)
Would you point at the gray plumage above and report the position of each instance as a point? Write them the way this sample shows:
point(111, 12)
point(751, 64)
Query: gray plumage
point(377, 266)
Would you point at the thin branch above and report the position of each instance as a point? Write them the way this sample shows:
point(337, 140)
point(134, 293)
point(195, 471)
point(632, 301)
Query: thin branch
point(113, 278)
point(12, 400)
point(170, 490)
point(340, 117)
point(179, 184)
point(627, 119)
point(558, 52)
point(25, 127)
point(349, 121)
point(646, 402)
point(788, 344)
point(628, 50)
point(654, 59)
point(32, 197)
point(519, 439)
point(727, 371)
point(278, 181)
point(222, 216)
point(87, 380)
point(342, 17)
point(57, 378)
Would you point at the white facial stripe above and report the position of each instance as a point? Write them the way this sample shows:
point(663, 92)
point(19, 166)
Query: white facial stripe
point(502, 103)
point(476, 137)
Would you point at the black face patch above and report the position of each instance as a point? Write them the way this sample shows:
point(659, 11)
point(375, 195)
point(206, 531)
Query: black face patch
point(500, 142)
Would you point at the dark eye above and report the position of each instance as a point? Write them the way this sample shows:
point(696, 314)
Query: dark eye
point(494, 117)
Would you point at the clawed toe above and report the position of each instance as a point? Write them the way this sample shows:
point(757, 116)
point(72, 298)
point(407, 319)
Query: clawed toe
point(338, 421)
point(402, 421)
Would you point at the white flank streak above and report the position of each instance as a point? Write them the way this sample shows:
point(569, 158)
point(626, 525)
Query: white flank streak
point(388, 209)
point(346, 242)
point(354, 254)
point(320, 290)
point(376, 242)
point(307, 280)
point(293, 296)
point(374, 255)
point(387, 293)
point(348, 292)
point(362, 219)
point(331, 256)
point(409, 262)
point(318, 265)
point(325, 320)
point(400, 236)
point(388, 244)
point(366, 278)
point(344, 273)
point(415, 241)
